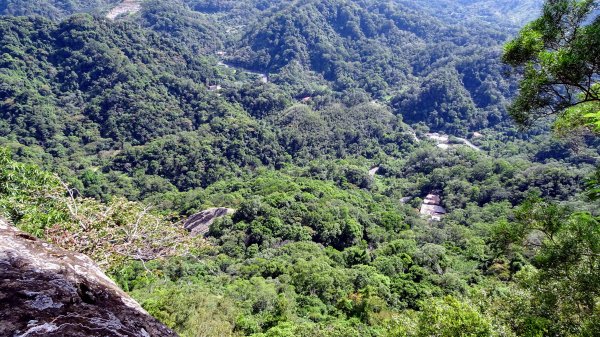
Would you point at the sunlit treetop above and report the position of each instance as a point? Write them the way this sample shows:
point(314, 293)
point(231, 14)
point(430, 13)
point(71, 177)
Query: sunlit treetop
point(559, 57)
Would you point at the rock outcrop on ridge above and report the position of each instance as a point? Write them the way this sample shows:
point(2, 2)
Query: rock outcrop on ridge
point(198, 224)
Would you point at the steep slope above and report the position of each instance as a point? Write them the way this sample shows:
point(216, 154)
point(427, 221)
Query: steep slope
point(387, 50)
point(96, 86)
point(174, 19)
point(390, 50)
point(138, 109)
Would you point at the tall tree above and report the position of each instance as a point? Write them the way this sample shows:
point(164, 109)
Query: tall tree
point(559, 57)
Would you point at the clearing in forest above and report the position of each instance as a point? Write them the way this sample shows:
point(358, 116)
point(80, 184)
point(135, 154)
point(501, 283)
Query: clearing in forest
point(125, 7)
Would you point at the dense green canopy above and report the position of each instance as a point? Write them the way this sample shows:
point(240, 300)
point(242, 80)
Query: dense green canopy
point(559, 54)
point(321, 124)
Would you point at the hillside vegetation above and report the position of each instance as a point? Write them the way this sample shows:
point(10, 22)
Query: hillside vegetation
point(326, 126)
point(54, 9)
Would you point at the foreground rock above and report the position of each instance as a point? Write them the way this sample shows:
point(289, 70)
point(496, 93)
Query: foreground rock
point(198, 224)
point(48, 291)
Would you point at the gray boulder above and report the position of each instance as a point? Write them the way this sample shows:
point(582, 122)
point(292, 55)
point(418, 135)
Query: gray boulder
point(198, 224)
point(49, 291)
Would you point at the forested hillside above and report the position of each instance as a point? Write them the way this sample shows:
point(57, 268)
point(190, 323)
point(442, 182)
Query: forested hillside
point(96, 93)
point(512, 12)
point(374, 181)
point(391, 51)
point(54, 9)
point(404, 52)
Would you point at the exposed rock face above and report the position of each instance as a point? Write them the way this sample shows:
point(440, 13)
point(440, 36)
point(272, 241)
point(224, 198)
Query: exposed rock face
point(49, 291)
point(199, 223)
point(432, 207)
point(443, 141)
point(373, 171)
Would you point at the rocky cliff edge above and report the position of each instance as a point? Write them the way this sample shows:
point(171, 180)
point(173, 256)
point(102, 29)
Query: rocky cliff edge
point(49, 291)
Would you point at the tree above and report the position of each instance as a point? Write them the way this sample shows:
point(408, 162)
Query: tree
point(451, 317)
point(564, 247)
point(559, 57)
